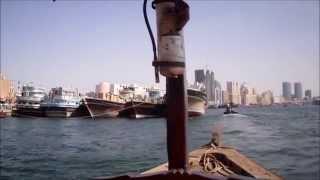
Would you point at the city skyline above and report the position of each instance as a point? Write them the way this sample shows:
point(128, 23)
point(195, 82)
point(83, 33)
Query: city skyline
point(80, 44)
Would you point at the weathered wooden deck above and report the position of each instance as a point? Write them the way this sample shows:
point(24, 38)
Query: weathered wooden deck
point(230, 157)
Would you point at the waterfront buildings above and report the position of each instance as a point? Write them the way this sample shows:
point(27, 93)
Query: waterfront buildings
point(107, 91)
point(253, 96)
point(6, 89)
point(286, 91)
point(278, 99)
point(225, 97)
point(209, 82)
point(266, 98)
point(199, 76)
point(307, 94)
point(244, 91)
point(212, 87)
point(298, 90)
point(102, 89)
point(217, 93)
point(248, 95)
point(232, 94)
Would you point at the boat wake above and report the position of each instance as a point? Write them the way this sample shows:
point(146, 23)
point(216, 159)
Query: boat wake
point(235, 115)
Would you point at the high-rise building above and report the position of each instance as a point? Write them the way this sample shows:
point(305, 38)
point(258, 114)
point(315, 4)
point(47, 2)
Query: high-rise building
point(298, 90)
point(233, 90)
point(199, 76)
point(212, 84)
point(286, 90)
point(225, 97)
point(248, 95)
point(244, 93)
point(308, 94)
point(217, 93)
point(209, 85)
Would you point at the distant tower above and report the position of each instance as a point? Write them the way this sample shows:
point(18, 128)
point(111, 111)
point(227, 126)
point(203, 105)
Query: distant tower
point(217, 93)
point(208, 85)
point(233, 90)
point(286, 90)
point(298, 90)
point(308, 94)
point(199, 76)
point(212, 86)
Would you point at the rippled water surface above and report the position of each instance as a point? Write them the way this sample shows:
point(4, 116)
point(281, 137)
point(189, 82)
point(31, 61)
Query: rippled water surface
point(283, 139)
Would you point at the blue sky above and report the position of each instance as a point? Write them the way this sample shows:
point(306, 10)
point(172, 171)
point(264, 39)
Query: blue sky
point(80, 43)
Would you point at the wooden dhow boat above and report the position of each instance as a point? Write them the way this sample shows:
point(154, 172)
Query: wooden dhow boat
point(211, 161)
point(101, 108)
point(141, 109)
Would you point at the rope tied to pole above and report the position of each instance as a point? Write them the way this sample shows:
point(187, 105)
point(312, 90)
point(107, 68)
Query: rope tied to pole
point(211, 164)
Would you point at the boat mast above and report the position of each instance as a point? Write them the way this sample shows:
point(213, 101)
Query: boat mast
point(172, 15)
point(176, 123)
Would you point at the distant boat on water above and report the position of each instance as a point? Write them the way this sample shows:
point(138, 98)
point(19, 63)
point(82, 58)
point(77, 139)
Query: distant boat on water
point(61, 103)
point(151, 106)
point(5, 109)
point(316, 101)
point(140, 109)
point(102, 108)
point(229, 109)
point(197, 102)
point(28, 103)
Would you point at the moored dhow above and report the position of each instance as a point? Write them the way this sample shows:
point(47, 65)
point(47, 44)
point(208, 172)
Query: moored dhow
point(102, 108)
point(148, 104)
point(105, 102)
point(61, 103)
point(197, 102)
point(141, 109)
point(28, 103)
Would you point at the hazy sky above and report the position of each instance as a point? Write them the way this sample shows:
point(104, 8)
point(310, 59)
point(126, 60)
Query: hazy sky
point(80, 43)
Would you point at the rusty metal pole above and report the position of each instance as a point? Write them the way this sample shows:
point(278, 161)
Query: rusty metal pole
point(176, 123)
point(172, 15)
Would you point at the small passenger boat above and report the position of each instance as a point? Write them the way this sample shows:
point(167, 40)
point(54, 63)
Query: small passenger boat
point(61, 103)
point(197, 102)
point(151, 105)
point(5, 109)
point(28, 103)
point(229, 110)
